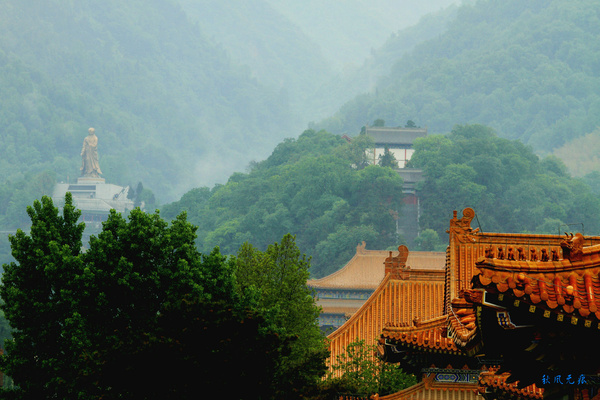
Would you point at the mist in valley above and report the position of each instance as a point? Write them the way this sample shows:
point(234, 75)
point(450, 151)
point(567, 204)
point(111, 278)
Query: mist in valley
point(181, 93)
point(199, 98)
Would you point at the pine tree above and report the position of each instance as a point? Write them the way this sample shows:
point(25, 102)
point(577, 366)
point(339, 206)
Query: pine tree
point(387, 159)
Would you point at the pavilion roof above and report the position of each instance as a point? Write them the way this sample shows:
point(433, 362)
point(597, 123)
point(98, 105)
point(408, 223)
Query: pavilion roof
point(429, 335)
point(485, 272)
point(429, 389)
point(455, 332)
point(365, 270)
point(402, 136)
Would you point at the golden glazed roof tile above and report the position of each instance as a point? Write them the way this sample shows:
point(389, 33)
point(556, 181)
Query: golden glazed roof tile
point(429, 389)
point(560, 285)
point(366, 270)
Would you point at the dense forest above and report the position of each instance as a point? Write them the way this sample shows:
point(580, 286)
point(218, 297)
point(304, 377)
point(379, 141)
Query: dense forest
point(527, 69)
point(318, 187)
point(510, 188)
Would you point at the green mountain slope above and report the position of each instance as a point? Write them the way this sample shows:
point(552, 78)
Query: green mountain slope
point(169, 106)
point(307, 187)
point(528, 69)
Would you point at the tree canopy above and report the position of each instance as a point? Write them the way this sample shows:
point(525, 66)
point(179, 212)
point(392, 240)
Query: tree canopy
point(278, 278)
point(140, 302)
point(510, 188)
point(318, 187)
point(359, 372)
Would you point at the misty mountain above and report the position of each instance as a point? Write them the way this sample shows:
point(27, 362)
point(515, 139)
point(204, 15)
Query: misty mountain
point(277, 52)
point(181, 93)
point(170, 107)
point(528, 69)
point(312, 50)
point(347, 31)
point(356, 81)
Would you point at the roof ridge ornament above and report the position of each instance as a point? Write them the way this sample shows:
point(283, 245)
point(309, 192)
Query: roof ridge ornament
point(572, 246)
point(361, 248)
point(461, 228)
point(396, 265)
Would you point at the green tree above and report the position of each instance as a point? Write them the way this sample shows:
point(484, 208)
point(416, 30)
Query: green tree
point(510, 188)
point(359, 152)
point(428, 240)
point(310, 187)
point(276, 280)
point(140, 301)
point(36, 291)
point(387, 159)
point(360, 372)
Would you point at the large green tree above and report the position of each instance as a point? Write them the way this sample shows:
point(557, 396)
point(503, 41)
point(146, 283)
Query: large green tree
point(38, 295)
point(276, 278)
point(140, 302)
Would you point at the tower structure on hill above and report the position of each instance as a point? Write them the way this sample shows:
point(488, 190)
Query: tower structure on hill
point(399, 141)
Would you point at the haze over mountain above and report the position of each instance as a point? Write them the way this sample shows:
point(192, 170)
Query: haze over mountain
point(184, 93)
point(528, 69)
point(311, 50)
point(181, 93)
point(348, 31)
point(169, 106)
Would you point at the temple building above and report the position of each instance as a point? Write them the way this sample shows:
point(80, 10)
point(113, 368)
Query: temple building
point(400, 143)
point(514, 316)
point(344, 292)
point(398, 140)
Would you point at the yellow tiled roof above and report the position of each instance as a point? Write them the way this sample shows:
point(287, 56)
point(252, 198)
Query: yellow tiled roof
point(366, 269)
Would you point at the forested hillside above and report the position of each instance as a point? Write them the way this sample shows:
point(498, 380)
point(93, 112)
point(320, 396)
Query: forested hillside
point(173, 104)
point(528, 69)
point(317, 187)
point(169, 107)
point(183, 93)
point(510, 188)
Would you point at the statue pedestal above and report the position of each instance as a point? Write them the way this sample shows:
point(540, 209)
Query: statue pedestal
point(86, 180)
